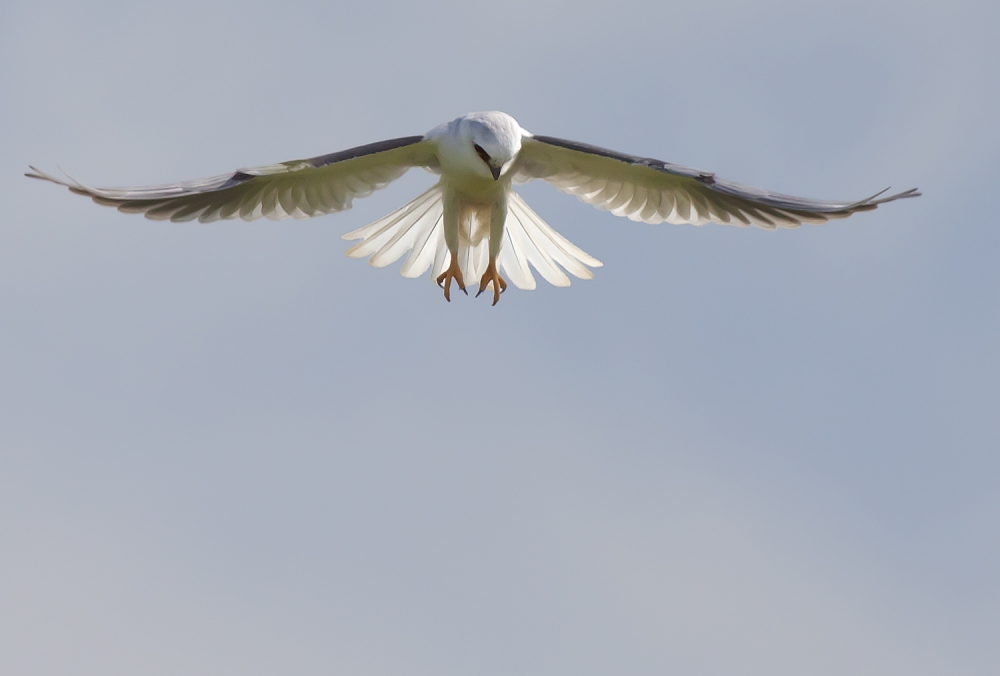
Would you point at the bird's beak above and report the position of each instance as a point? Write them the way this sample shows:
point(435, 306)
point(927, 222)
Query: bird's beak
point(495, 170)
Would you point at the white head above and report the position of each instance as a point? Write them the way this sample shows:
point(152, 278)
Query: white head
point(493, 139)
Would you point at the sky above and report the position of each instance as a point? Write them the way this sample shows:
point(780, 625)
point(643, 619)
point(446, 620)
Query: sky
point(228, 449)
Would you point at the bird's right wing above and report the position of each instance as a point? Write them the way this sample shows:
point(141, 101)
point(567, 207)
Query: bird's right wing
point(653, 191)
point(296, 189)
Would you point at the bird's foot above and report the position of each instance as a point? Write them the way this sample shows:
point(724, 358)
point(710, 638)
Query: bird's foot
point(444, 279)
point(491, 275)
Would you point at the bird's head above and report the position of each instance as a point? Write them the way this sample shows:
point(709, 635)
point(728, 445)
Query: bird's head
point(495, 140)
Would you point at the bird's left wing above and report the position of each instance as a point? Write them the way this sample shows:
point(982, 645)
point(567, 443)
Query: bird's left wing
point(653, 191)
point(296, 189)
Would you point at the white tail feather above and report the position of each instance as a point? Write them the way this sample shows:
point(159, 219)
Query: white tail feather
point(418, 227)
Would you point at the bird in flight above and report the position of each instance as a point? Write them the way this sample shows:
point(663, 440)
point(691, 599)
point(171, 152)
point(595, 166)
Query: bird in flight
point(471, 223)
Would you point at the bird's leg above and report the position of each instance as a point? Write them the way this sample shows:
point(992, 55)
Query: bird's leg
point(452, 214)
point(498, 217)
point(453, 272)
point(491, 275)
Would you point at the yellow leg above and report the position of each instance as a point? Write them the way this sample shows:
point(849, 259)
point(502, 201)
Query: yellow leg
point(491, 275)
point(444, 279)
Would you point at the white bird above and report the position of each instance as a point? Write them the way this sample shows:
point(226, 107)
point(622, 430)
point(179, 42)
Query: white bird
point(471, 223)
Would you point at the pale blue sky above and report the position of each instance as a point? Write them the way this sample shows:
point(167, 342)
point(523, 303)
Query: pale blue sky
point(229, 449)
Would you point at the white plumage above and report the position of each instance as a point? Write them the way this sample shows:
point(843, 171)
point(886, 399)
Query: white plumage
point(472, 224)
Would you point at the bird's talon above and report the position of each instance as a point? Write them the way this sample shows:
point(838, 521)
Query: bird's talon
point(444, 280)
point(491, 275)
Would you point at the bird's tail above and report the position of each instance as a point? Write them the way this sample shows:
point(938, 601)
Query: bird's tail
point(529, 239)
point(418, 228)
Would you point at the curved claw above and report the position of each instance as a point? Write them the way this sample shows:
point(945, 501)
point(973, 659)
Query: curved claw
point(491, 275)
point(444, 280)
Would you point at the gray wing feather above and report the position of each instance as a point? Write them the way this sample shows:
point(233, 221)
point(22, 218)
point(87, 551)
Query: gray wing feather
point(653, 191)
point(296, 189)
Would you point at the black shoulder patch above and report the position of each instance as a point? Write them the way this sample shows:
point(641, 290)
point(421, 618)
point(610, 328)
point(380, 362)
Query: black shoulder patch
point(657, 165)
point(590, 150)
point(236, 179)
point(361, 151)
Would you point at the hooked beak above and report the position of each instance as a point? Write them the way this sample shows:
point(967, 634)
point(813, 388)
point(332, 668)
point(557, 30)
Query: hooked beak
point(496, 172)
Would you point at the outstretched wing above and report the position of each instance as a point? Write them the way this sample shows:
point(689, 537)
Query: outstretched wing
point(652, 191)
point(296, 189)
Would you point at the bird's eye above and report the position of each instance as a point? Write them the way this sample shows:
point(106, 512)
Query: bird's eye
point(482, 153)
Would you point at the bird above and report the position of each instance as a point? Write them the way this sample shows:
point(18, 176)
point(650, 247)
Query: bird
point(472, 223)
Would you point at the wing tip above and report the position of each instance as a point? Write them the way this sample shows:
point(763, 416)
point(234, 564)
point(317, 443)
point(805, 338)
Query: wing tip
point(877, 198)
point(70, 183)
point(41, 175)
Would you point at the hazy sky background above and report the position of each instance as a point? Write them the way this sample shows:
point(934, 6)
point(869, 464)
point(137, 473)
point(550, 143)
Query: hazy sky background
point(227, 449)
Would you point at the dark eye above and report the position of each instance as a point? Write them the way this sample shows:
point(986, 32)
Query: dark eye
point(482, 153)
